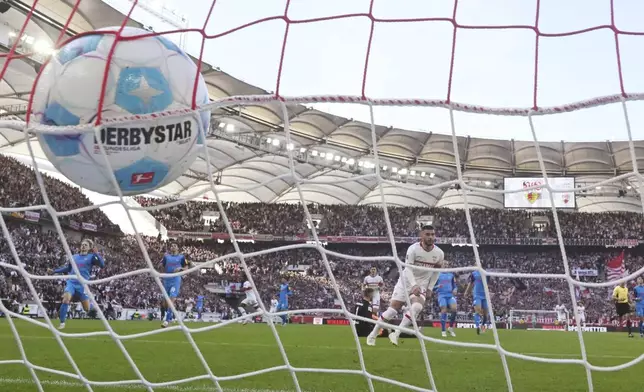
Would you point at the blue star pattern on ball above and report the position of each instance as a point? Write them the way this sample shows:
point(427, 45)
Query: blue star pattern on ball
point(78, 47)
point(170, 45)
point(143, 90)
point(61, 145)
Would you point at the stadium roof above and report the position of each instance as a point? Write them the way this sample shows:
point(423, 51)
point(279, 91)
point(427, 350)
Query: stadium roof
point(248, 148)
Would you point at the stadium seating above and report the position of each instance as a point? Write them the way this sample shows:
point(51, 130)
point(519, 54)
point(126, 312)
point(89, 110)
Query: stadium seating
point(39, 249)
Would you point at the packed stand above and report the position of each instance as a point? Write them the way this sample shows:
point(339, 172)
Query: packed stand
point(19, 188)
point(368, 220)
point(309, 278)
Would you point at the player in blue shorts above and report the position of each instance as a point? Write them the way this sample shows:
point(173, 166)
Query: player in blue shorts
point(480, 302)
point(446, 289)
point(85, 260)
point(172, 262)
point(199, 306)
point(282, 303)
point(639, 303)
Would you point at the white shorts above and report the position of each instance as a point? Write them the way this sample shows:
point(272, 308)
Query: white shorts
point(188, 308)
point(562, 318)
point(249, 301)
point(375, 301)
point(582, 318)
point(399, 293)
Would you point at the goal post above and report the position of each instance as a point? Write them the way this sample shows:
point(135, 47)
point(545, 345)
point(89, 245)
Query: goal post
point(369, 164)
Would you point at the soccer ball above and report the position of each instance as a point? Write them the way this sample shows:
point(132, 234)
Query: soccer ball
point(145, 75)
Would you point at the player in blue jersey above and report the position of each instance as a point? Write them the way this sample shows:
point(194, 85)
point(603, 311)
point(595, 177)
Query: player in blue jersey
point(172, 262)
point(85, 260)
point(199, 306)
point(446, 290)
point(479, 302)
point(639, 303)
point(282, 303)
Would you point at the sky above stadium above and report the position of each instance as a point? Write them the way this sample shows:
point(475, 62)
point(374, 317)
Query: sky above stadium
point(493, 68)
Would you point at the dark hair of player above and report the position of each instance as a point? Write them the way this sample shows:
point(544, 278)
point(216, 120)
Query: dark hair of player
point(427, 227)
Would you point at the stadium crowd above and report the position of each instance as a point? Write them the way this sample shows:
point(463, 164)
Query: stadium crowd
point(39, 250)
point(368, 220)
point(19, 188)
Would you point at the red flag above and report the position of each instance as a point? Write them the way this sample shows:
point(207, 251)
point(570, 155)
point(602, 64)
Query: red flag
point(615, 268)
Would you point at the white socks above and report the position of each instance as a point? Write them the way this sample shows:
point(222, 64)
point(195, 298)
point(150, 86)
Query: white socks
point(416, 308)
point(386, 316)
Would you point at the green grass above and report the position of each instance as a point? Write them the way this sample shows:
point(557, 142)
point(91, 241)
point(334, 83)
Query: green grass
point(237, 349)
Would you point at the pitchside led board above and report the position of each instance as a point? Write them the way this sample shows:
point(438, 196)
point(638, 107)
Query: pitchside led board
point(538, 197)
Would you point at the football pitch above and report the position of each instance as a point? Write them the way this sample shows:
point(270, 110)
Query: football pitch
point(236, 349)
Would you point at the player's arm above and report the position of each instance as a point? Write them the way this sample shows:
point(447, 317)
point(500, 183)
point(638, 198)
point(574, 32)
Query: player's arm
point(98, 259)
point(408, 271)
point(185, 263)
point(289, 292)
point(454, 286)
point(162, 264)
point(65, 269)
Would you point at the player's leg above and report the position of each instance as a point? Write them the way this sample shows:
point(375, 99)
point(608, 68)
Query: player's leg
point(477, 314)
point(417, 305)
point(442, 303)
point(172, 286)
point(64, 306)
point(281, 307)
point(640, 313)
point(375, 303)
point(484, 315)
point(452, 315)
point(242, 306)
point(629, 325)
point(395, 304)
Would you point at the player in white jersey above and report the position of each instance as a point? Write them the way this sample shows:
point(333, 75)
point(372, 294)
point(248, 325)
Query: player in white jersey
point(417, 283)
point(273, 304)
point(562, 316)
point(374, 281)
point(249, 302)
point(581, 310)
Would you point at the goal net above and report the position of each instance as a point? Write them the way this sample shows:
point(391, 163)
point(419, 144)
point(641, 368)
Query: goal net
point(366, 160)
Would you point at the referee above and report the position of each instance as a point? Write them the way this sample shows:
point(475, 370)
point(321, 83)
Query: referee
point(364, 309)
point(623, 306)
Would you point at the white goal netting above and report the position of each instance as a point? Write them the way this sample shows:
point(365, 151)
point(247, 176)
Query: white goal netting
point(527, 115)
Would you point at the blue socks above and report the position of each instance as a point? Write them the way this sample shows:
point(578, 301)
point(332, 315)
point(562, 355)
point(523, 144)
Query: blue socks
point(168, 315)
point(641, 327)
point(452, 319)
point(63, 312)
point(443, 321)
point(477, 320)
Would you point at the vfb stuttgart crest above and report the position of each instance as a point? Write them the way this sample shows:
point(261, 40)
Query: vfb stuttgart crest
point(566, 198)
point(533, 194)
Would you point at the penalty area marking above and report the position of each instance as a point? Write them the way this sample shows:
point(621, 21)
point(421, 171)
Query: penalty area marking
point(174, 388)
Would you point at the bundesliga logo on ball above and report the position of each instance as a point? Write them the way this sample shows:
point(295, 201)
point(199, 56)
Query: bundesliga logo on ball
point(145, 75)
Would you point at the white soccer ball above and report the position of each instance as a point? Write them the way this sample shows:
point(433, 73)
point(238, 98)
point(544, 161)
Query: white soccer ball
point(145, 75)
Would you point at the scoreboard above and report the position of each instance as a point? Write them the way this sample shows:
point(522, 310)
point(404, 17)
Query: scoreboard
point(538, 197)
